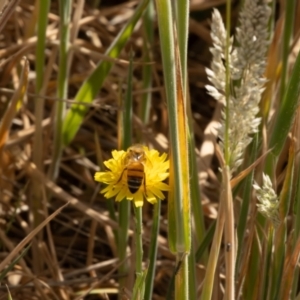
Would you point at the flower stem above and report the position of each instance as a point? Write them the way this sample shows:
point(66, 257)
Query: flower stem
point(153, 251)
point(139, 285)
point(138, 240)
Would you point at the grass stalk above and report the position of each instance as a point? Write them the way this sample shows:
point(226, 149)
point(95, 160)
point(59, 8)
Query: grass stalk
point(247, 197)
point(207, 238)
point(147, 57)
point(182, 10)
point(251, 282)
point(176, 105)
point(227, 82)
point(39, 67)
point(265, 287)
point(281, 234)
point(124, 206)
point(208, 283)
point(182, 22)
point(192, 274)
point(287, 34)
point(230, 252)
point(65, 7)
point(164, 14)
point(197, 211)
point(287, 111)
point(181, 277)
point(296, 221)
point(37, 153)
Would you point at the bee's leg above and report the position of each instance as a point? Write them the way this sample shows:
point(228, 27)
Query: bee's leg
point(121, 176)
point(145, 191)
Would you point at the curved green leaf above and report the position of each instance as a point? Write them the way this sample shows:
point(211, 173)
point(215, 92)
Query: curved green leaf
point(93, 83)
point(287, 111)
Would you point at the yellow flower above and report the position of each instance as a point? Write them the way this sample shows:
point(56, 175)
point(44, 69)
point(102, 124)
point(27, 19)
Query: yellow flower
point(152, 170)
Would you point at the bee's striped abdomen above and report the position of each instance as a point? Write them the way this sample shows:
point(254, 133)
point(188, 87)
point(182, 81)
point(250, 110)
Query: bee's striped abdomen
point(135, 177)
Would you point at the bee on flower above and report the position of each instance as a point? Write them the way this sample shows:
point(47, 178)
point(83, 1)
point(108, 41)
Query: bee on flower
point(135, 174)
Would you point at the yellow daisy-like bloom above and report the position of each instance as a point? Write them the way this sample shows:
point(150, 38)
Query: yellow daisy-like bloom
point(147, 167)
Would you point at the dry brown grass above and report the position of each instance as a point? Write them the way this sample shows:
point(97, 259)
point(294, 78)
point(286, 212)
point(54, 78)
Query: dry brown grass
point(76, 251)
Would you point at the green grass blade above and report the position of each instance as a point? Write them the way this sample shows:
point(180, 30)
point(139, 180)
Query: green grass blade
point(205, 242)
point(192, 274)
point(93, 83)
point(39, 69)
point(252, 284)
point(124, 206)
point(197, 212)
point(176, 104)
point(287, 111)
point(37, 153)
point(126, 129)
point(147, 68)
point(65, 7)
point(182, 21)
point(287, 34)
point(281, 233)
point(296, 224)
point(289, 270)
point(266, 262)
point(164, 15)
point(177, 131)
point(247, 197)
point(14, 262)
point(41, 43)
point(208, 282)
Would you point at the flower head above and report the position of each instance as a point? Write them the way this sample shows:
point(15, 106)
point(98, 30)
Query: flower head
point(268, 200)
point(135, 174)
point(246, 62)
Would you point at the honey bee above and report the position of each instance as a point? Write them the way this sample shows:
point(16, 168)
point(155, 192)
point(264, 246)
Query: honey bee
point(135, 160)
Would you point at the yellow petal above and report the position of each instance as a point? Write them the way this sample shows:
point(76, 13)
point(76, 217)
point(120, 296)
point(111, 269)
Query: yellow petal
point(157, 192)
point(138, 198)
point(152, 200)
point(162, 186)
point(111, 193)
point(138, 203)
point(122, 194)
point(150, 197)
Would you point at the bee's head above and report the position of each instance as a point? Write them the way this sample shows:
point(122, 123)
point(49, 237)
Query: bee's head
point(137, 155)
